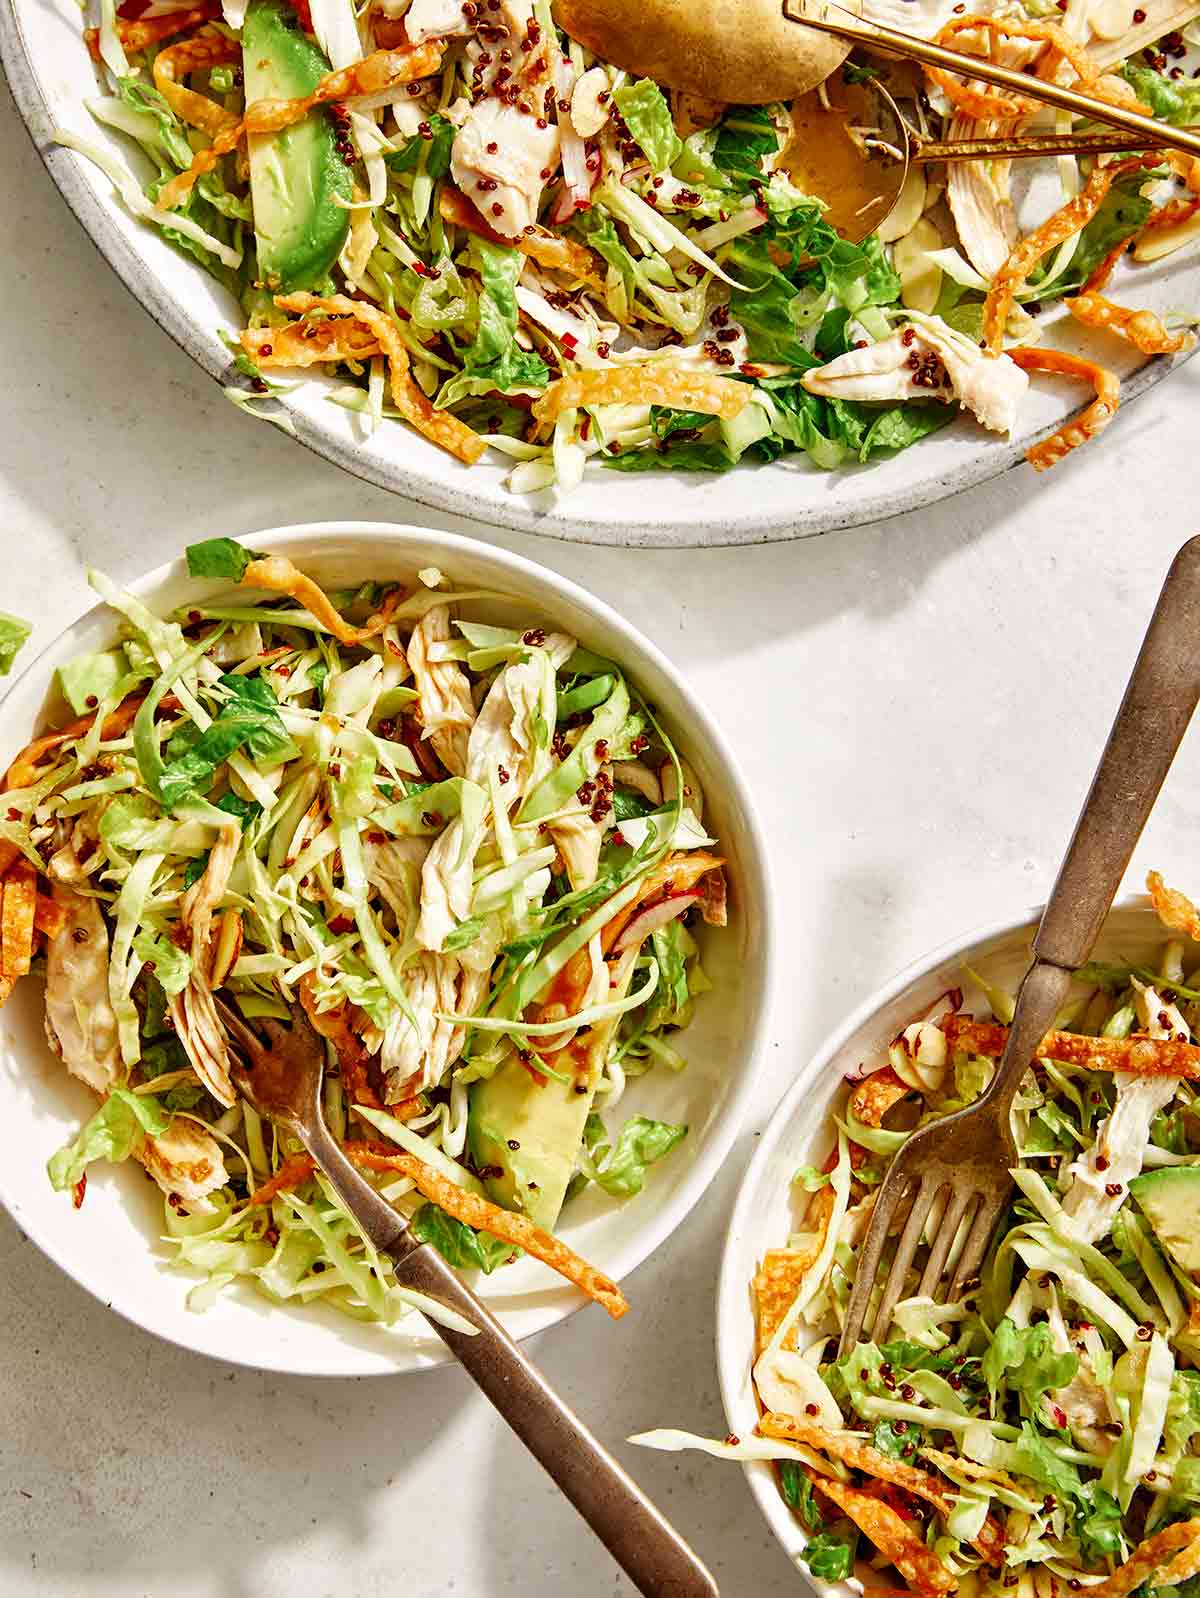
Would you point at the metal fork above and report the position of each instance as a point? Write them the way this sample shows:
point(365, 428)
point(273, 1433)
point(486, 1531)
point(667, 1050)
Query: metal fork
point(969, 1155)
point(280, 1073)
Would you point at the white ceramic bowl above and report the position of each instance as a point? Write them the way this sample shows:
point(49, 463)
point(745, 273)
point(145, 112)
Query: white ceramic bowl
point(798, 1133)
point(51, 75)
point(109, 1246)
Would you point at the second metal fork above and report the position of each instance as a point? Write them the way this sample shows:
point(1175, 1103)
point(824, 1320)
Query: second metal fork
point(969, 1156)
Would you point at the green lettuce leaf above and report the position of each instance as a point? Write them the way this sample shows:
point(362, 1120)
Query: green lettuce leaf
point(250, 721)
point(1174, 100)
point(458, 1244)
point(829, 1558)
point(494, 360)
point(1033, 1457)
point(218, 557)
point(648, 118)
point(172, 965)
point(745, 137)
point(1026, 1360)
point(622, 1171)
point(88, 679)
point(797, 1488)
point(113, 1133)
point(13, 634)
point(436, 150)
point(1098, 1524)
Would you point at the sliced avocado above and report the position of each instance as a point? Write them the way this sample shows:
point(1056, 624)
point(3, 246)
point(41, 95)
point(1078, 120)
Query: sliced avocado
point(1170, 1201)
point(529, 1133)
point(296, 175)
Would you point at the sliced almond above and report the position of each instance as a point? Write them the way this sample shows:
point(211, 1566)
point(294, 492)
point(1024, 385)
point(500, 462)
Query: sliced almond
point(1165, 241)
point(920, 278)
point(228, 946)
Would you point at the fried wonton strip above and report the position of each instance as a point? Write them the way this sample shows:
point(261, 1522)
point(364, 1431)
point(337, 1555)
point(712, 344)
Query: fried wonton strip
point(898, 1540)
point(1174, 909)
point(1064, 224)
point(1086, 426)
point(277, 575)
point(309, 343)
point(382, 69)
point(776, 1284)
point(1142, 1056)
point(1146, 1558)
point(1142, 329)
point(987, 102)
point(469, 1208)
point(644, 384)
point(174, 64)
point(137, 37)
point(17, 911)
point(49, 916)
point(440, 427)
point(547, 249)
point(859, 1455)
point(875, 1095)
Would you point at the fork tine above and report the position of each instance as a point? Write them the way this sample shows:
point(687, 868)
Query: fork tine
point(975, 1247)
point(245, 1038)
point(905, 1249)
point(956, 1208)
point(890, 1195)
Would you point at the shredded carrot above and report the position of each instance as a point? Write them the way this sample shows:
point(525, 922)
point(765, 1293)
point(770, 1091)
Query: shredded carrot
point(1094, 419)
point(473, 1211)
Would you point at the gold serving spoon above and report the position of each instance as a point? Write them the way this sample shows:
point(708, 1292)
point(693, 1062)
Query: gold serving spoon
point(852, 148)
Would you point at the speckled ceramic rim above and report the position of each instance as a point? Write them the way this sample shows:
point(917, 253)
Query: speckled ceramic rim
point(750, 527)
point(733, 1297)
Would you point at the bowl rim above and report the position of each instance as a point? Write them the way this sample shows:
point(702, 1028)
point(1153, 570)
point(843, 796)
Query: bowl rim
point(731, 1299)
point(718, 528)
point(427, 544)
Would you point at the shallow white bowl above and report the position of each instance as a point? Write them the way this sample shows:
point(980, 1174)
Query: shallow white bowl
point(109, 1246)
point(799, 1133)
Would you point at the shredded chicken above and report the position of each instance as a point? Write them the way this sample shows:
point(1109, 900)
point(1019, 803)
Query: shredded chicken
point(977, 193)
point(927, 360)
point(498, 159)
point(417, 1052)
point(447, 712)
point(193, 1010)
point(80, 1022)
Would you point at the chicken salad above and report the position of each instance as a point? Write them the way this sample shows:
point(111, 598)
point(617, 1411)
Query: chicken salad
point(518, 248)
point(467, 847)
point(1040, 1433)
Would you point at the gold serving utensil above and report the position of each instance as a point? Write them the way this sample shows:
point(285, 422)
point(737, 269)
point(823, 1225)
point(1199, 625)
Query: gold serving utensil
point(852, 148)
point(828, 17)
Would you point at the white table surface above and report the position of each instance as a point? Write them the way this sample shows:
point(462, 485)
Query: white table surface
point(918, 704)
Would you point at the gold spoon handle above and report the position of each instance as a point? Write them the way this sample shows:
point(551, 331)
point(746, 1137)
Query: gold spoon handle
point(925, 151)
point(816, 14)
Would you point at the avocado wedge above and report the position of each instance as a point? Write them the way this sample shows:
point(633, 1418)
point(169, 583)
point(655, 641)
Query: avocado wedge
point(525, 1135)
point(297, 176)
point(1169, 1198)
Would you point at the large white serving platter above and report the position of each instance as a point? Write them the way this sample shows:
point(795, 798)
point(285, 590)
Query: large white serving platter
point(51, 75)
point(110, 1245)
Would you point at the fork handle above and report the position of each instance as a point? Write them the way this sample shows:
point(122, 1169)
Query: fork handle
point(646, 1546)
point(1154, 715)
